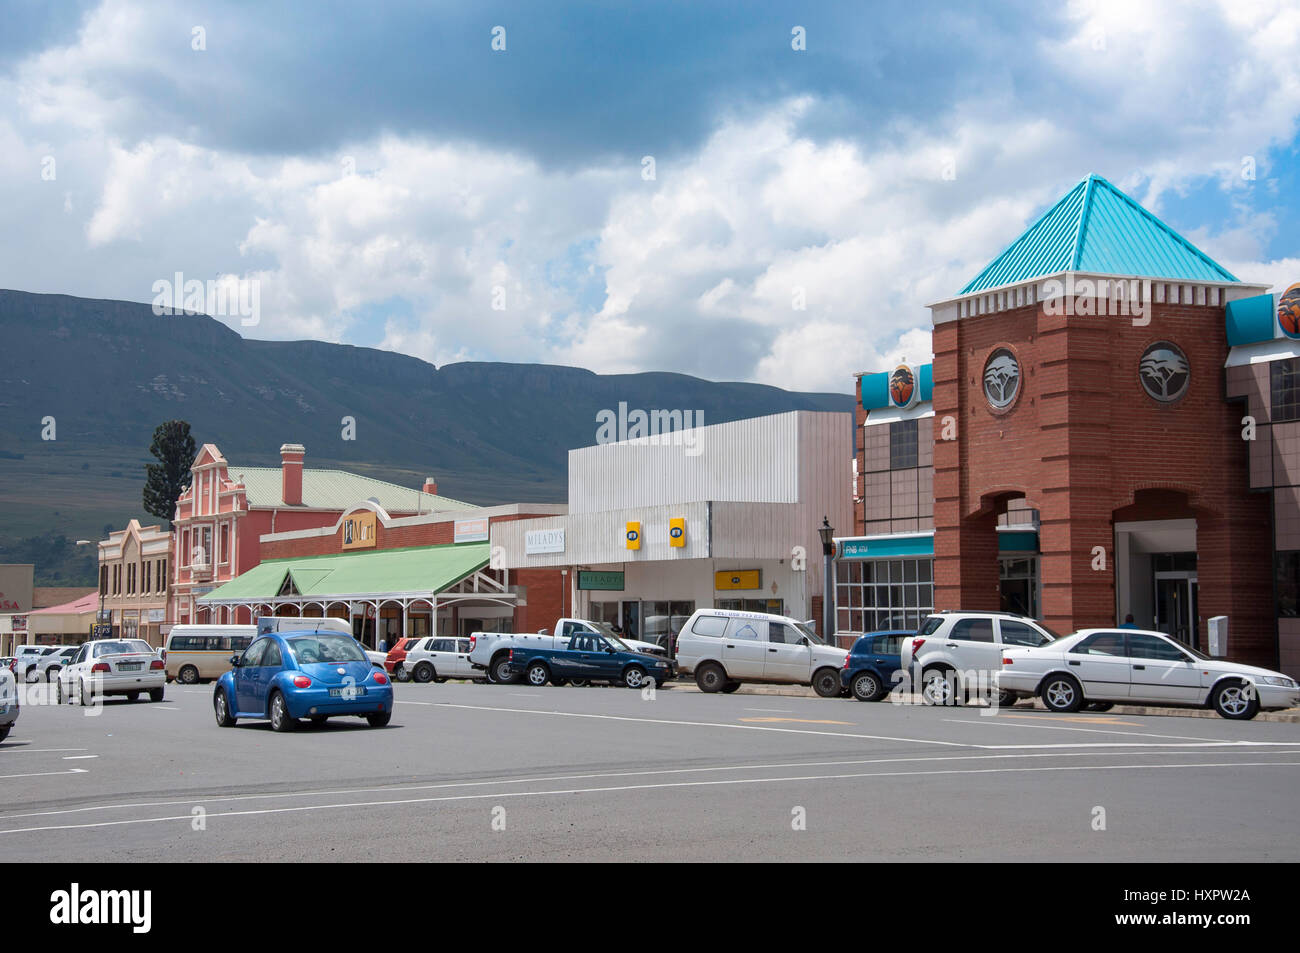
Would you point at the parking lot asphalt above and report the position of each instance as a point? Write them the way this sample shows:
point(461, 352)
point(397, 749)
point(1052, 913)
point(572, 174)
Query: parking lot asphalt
point(478, 772)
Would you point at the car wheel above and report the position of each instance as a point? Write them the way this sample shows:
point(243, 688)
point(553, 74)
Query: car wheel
point(710, 677)
point(424, 672)
point(826, 682)
point(222, 710)
point(52, 673)
point(1099, 706)
point(502, 672)
point(1061, 693)
point(1007, 699)
point(379, 719)
point(188, 675)
point(400, 673)
point(280, 720)
point(133, 696)
point(4, 731)
point(58, 691)
point(155, 694)
point(939, 687)
point(731, 688)
point(32, 676)
point(865, 687)
point(634, 676)
point(579, 682)
point(86, 697)
point(318, 720)
point(1236, 700)
point(538, 674)
point(559, 682)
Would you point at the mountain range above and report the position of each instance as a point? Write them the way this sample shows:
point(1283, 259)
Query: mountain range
point(97, 376)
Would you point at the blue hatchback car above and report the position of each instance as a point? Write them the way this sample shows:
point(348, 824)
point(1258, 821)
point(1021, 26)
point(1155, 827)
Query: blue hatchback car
point(868, 672)
point(285, 676)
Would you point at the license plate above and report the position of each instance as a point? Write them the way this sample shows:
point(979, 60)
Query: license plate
point(347, 692)
point(130, 666)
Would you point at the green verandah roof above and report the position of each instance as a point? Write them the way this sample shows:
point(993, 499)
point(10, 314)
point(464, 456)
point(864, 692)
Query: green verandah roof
point(421, 569)
point(1095, 228)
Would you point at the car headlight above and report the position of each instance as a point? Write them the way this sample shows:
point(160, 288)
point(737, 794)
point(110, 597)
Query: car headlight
point(1280, 680)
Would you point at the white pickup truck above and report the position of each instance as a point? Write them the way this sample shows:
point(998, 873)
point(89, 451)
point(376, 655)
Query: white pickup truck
point(491, 650)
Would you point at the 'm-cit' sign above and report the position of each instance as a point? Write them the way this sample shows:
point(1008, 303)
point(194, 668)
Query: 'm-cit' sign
point(677, 532)
point(633, 535)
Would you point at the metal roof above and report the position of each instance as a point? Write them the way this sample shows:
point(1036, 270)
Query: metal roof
point(1095, 228)
point(338, 490)
point(422, 569)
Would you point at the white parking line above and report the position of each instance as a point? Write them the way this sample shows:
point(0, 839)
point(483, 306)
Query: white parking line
point(569, 792)
point(537, 779)
point(45, 774)
point(79, 757)
point(1105, 731)
point(9, 750)
point(782, 710)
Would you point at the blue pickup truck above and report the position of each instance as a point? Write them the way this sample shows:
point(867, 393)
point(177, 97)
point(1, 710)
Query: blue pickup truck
point(590, 658)
point(868, 672)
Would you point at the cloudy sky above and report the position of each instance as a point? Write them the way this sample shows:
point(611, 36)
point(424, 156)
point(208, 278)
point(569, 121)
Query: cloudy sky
point(626, 186)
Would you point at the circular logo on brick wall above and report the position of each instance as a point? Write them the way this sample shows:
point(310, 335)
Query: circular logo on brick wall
point(1163, 372)
point(1288, 311)
point(1001, 379)
point(902, 386)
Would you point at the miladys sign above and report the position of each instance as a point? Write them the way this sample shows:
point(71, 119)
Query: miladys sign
point(537, 541)
point(588, 579)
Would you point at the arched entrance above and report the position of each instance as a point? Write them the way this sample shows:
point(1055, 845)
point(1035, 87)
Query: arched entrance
point(1156, 564)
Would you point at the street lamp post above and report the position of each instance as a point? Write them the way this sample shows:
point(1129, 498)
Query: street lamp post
point(98, 584)
point(827, 533)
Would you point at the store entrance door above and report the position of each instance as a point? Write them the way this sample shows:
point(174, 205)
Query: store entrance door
point(1175, 605)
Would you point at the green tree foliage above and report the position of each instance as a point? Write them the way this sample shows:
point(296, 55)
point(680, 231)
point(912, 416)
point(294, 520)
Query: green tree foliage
point(175, 451)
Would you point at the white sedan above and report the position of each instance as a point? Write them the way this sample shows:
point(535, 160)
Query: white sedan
point(1099, 667)
point(113, 667)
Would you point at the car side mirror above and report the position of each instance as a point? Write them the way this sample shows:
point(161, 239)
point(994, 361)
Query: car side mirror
point(234, 661)
point(609, 649)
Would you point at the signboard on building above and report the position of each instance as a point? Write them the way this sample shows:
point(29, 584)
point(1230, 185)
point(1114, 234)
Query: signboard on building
point(157, 615)
point(471, 531)
point(677, 532)
point(633, 535)
point(19, 623)
point(736, 579)
point(101, 630)
point(538, 541)
point(589, 579)
point(359, 530)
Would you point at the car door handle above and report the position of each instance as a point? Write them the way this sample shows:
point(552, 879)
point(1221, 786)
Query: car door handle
point(951, 645)
point(731, 646)
point(771, 650)
point(1072, 662)
point(1140, 667)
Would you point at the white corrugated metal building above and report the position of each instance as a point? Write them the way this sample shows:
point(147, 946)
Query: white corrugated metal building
point(749, 497)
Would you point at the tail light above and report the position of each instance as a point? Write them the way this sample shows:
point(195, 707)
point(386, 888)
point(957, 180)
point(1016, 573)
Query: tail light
point(380, 678)
point(301, 681)
point(510, 654)
point(156, 665)
point(916, 644)
point(1005, 660)
point(472, 640)
point(100, 667)
point(846, 661)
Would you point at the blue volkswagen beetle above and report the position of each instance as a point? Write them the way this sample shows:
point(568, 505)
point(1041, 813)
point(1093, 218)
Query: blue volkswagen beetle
point(285, 676)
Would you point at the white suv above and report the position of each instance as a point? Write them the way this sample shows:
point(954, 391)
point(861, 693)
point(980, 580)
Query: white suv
point(437, 659)
point(953, 650)
point(724, 648)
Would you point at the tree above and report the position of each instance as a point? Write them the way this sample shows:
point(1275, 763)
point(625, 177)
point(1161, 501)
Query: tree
point(175, 450)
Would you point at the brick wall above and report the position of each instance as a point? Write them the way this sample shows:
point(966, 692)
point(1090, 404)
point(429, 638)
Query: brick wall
point(1080, 441)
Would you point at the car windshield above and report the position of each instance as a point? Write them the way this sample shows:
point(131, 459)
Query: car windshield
point(618, 644)
point(807, 632)
point(121, 648)
point(310, 649)
point(1051, 632)
point(1195, 652)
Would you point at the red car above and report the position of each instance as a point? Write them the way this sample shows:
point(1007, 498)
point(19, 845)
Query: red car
point(397, 653)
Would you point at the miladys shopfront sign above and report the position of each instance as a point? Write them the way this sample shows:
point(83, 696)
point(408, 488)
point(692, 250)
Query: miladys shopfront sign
point(538, 541)
point(588, 579)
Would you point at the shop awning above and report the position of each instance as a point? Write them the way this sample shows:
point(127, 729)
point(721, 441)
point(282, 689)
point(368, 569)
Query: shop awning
point(419, 571)
point(885, 547)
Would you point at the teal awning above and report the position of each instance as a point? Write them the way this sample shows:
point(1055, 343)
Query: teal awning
point(1018, 541)
point(885, 547)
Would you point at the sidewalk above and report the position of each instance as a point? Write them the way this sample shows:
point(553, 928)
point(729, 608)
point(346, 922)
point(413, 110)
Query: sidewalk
point(1291, 716)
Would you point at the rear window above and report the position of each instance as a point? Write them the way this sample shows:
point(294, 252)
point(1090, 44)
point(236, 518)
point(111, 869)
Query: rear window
point(743, 629)
point(972, 630)
point(710, 625)
point(326, 648)
point(929, 625)
point(888, 645)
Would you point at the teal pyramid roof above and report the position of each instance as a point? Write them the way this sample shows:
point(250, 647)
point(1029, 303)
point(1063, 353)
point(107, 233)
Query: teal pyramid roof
point(1096, 228)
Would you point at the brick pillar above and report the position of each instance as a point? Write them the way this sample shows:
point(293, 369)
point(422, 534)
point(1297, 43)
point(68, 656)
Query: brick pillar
point(1234, 579)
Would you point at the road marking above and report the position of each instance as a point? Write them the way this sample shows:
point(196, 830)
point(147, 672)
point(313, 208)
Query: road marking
point(9, 750)
point(522, 695)
point(713, 724)
point(79, 757)
point(569, 792)
point(443, 785)
point(770, 709)
point(44, 774)
point(997, 720)
point(806, 721)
